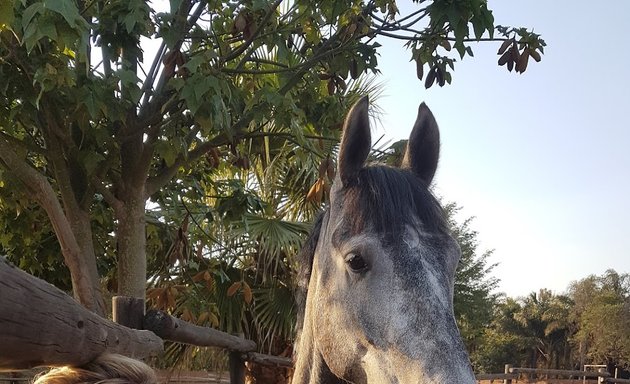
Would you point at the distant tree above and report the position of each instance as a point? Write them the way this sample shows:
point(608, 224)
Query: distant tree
point(503, 340)
point(474, 295)
point(532, 332)
point(602, 312)
point(544, 317)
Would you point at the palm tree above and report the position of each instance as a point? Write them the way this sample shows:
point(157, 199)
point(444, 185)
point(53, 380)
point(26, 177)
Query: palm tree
point(545, 320)
point(241, 220)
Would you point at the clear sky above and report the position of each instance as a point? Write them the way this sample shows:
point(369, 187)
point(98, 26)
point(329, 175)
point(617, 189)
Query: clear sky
point(540, 159)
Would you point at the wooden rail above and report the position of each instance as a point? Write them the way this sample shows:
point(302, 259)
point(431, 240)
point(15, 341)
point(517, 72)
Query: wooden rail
point(42, 325)
point(513, 373)
point(615, 380)
point(174, 329)
point(559, 372)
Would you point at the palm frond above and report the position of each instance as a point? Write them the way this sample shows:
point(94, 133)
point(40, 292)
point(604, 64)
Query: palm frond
point(273, 314)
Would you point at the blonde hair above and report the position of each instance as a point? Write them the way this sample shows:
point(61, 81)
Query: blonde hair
point(105, 369)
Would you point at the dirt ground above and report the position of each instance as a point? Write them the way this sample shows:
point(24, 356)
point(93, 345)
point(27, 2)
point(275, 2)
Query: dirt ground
point(548, 381)
point(176, 377)
point(186, 377)
point(224, 378)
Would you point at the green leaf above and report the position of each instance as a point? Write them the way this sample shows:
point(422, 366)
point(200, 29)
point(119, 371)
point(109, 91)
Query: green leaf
point(489, 19)
point(6, 12)
point(479, 26)
point(461, 48)
point(167, 151)
point(67, 9)
point(30, 12)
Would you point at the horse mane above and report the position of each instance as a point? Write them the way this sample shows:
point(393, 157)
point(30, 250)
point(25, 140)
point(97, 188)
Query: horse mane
point(305, 266)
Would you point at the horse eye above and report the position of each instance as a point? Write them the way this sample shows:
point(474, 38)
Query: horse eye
point(356, 262)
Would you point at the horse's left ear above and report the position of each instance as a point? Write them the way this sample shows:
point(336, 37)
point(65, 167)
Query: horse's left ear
point(423, 148)
point(355, 142)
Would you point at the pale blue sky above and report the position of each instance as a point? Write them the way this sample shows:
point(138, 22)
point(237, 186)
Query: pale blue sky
point(540, 159)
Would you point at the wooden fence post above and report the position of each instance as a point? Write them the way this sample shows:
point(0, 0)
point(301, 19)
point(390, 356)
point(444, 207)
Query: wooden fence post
point(507, 372)
point(237, 368)
point(128, 311)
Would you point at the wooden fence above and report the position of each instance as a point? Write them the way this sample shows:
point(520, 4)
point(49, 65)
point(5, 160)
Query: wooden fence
point(43, 326)
point(514, 373)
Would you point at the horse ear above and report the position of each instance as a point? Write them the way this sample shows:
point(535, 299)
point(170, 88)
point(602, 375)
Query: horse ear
point(355, 142)
point(423, 148)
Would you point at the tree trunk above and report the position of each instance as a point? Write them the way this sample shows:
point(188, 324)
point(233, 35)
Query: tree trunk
point(132, 260)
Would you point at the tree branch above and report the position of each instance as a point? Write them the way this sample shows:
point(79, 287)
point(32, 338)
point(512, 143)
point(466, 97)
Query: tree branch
point(53, 133)
point(108, 196)
point(42, 191)
point(241, 48)
point(167, 173)
point(21, 144)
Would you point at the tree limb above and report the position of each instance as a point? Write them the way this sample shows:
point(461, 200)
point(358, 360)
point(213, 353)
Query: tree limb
point(41, 189)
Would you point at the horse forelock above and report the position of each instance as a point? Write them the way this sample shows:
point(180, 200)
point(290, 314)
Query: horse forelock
point(388, 200)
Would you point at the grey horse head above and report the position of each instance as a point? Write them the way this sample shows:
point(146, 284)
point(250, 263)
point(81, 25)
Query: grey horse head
point(379, 271)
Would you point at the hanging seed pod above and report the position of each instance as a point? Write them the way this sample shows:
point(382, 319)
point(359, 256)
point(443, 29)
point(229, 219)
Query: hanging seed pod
point(331, 87)
point(504, 46)
point(521, 64)
point(439, 75)
point(505, 58)
point(419, 69)
point(354, 69)
point(535, 55)
point(430, 78)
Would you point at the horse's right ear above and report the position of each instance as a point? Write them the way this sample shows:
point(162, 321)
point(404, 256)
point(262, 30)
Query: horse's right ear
point(355, 142)
point(423, 148)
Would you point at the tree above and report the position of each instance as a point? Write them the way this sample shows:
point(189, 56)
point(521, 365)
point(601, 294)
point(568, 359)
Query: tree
point(474, 297)
point(91, 135)
point(602, 311)
point(544, 317)
point(531, 331)
point(503, 341)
